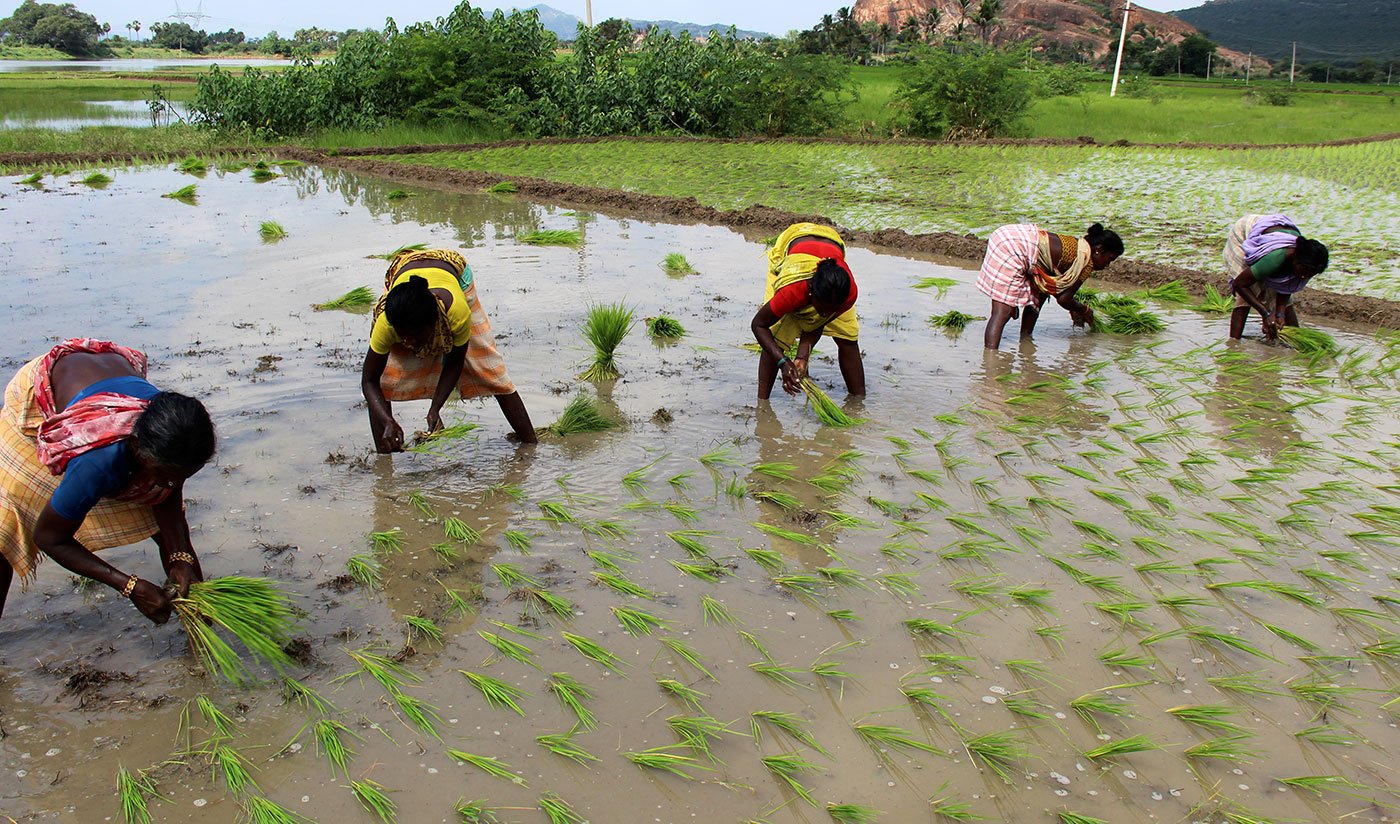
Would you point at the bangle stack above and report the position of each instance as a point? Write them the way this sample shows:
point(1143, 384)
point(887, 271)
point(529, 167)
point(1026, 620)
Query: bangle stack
point(130, 586)
point(180, 556)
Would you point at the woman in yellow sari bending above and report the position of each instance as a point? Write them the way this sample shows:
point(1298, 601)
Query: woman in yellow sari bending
point(810, 292)
point(1026, 264)
point(430, 336)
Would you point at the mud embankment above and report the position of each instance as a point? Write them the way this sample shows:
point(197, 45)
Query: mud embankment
point(757, 218)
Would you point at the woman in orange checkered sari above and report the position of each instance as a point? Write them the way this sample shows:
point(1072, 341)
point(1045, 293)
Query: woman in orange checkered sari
point(430, 336)
point(92, 456)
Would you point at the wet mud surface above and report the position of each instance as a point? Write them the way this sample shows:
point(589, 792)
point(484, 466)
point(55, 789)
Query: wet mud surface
point(1057, 544)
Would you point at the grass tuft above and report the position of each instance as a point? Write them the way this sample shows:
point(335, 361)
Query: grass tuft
point(271, 231)
point(952, 321)
point(676, 265)
point(664, 327)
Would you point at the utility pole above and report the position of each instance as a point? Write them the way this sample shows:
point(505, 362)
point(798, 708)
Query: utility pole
point(1122, 39)
point(1248, 68)
point(1293, 67)
point(1210, 58)
point(590, 13)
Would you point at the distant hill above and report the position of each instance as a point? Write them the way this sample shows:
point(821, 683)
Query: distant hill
point(1334, 30)
point(565, 25)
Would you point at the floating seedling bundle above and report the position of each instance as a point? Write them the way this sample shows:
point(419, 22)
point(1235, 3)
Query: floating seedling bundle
point(583, 414)
point(666, 328)
point(1309, 341)
point(952, 321)
point(358, 298)
point(551, 237)
point(676, 265)
point(255, 611)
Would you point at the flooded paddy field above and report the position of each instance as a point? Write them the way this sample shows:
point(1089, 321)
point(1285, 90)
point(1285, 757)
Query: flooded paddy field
point(1138, 579)
point(1172, 205)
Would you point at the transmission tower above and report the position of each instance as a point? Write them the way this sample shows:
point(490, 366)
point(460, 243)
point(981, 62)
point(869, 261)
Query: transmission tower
point(194, 18)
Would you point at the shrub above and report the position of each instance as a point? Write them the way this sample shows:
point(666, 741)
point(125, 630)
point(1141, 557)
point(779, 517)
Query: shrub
point(982, 92)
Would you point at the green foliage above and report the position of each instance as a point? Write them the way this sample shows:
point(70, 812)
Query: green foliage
point(60, 27)
point(978, 92)
point(185, 194)
point(953, 321)
point(253, 610)
point(271, 231)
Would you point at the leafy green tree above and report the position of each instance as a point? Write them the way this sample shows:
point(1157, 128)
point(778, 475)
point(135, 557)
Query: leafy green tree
point(1196, 51)
point(227, 38)
point(62, 27)
point(179, 36)
point(988, 15)
point(615, 29)
point(980, 92)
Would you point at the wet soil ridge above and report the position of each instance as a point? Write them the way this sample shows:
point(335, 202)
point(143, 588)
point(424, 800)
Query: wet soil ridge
point(765, 219)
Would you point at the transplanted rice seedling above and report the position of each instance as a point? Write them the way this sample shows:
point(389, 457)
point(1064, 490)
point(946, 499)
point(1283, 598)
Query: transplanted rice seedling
point(254, 610)
point(583, 414)
point(1215, 303)
point(551, 237)
point(1123, 746)
point(1076, 818)
point(594, 651)
point(259, 809)
point(306, 697)
point(571, 695)
point(224, 726)
point(35, 179)
point(136, 791)
point(950, 809)
point(231, 765)
point(358, 298)
point(388, 542)
point(509, 648)
point(1312, 342)
point(1224, 748)
point(715, 611)
point(390, 674)
point(370, 794)
point(558, 810)
point(999, 752)
point(1214, 717)
point(688, 695)
point(562, 744)
point(330, 742)
point(828, 411)
point(789, 768)
point(491, 766)
point(881, 737)
point(1317, 784)
point(1126, 321)
point(271, 231)
point(664, 327)
point(459, 530)
point(667, 759)
point(184, 194)
point(638, 622)
point(852, 813)
point(496, 692)
point(675, 264)
point(688, 654)
point(96, 180)
point(952, 321)
point(475, 812)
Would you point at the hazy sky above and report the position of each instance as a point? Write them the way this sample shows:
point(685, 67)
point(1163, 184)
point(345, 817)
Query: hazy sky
point(256, 17)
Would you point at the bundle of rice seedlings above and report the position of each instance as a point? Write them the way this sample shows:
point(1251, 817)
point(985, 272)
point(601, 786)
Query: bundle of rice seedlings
point(428, 441)
point(35, 179)
point(1312, 342)
point(192, 166)
point(96, 180)
point(396, 194)
point(136, 791)
point(504, 187)
point(952, 320)
point(233, 166)
point(606, 326)
point(551, 237)
point(370, 794)
point(663, 327)
point(583, 414)
point(184, 194)
point(940, 284)
point(675, 264)
point(1216, 303)
point(270, 231)
point(254, 610)
point(1124, 319)
point(407, 247)
point(288, 164)
point(358, 298)
point(828, 412)
point(262, 174)
point(1173, 292)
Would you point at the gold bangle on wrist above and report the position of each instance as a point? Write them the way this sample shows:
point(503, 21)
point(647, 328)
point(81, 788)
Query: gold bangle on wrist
point(181, 556)
point(130, 586)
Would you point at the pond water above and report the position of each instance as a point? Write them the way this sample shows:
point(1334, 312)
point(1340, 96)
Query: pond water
point(68, 115)
point(1064, 519)
point(129, 65)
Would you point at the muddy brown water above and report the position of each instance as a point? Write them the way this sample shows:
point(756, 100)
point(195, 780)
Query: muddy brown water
point(86, 684)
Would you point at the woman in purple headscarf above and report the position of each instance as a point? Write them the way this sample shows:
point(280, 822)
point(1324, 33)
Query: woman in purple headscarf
point(1269, 261)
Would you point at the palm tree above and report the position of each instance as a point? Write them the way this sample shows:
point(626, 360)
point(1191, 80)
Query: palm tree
point(134, 26)
point(930, 22)
point(987, 15)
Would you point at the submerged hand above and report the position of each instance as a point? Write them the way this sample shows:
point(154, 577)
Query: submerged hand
point(152, 601)
point(1081, 315)
point(793, 373)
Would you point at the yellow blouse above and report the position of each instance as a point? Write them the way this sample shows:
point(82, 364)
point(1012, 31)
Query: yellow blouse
point(459, 315)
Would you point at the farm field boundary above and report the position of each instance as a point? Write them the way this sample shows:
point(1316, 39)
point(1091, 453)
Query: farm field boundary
point(756, 218)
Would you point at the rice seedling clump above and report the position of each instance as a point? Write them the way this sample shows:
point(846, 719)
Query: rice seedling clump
point(254, 610)
point(952, 320)
point(664, 327)
point(271, 231)
point(583, 414)
point(606, 326)
point(551, 237)
point(828, 412)
point(358, 298)
point(676, 265)
point(1308, 341)
point(185, 194)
